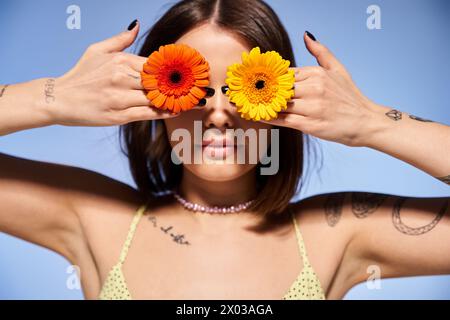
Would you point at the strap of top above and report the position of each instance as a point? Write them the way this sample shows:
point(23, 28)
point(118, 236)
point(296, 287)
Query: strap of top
point(301, 243)
point(131, 231)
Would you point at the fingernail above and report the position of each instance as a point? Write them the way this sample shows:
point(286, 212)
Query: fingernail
point(132, 25)
point(202, 102)
point(224, 89)
point(310, 35)
point(210, 91)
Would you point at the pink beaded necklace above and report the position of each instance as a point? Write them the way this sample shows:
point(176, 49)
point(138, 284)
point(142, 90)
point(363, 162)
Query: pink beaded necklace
point(195, 207)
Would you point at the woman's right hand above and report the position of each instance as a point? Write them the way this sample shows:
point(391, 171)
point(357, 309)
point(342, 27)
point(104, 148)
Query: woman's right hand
point(103, 88)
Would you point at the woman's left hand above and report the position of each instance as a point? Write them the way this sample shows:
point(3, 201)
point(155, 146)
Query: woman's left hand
point(327, 104)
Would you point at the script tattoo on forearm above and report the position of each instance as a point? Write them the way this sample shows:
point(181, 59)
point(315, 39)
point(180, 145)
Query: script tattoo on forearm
point(365, 203)
point(178, 238)
point(2, 91)
point(403, 228)
point(333, 207)
point(445, 179)
point(394, 115)
point(49, 90)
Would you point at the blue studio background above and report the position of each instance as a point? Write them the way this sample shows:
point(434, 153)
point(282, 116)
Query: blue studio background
point(404, 64)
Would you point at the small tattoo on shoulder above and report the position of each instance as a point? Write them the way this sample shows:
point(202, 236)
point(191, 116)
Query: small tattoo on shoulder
point(178, 238)
point(365, 203)
point(49, 90)
point(394, 114)
point(2, 90)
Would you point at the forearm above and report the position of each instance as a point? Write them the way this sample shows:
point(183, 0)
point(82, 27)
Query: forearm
point(26, 105)
point(420, 142)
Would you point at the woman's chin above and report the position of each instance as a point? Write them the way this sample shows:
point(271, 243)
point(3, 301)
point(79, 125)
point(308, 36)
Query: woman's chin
point(219, 170)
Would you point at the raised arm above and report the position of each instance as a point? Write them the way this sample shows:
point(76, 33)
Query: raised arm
point(103, 88)
point(39, 201)
point(327, 104)
point(423, 143)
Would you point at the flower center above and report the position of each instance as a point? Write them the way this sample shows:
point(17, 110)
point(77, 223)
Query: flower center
point(260, 84)
point(175, 77)
point(260, 88)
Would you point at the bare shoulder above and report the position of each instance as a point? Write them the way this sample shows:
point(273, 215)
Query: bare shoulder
point(328, 224)
point(338, 209)
point(328, 207)
point(105, 208)
point(370, 231)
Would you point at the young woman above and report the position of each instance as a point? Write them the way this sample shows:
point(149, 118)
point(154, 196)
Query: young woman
point(145, 243)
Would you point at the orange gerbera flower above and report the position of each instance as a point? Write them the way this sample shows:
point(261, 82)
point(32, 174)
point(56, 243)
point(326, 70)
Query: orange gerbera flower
point(175, 77)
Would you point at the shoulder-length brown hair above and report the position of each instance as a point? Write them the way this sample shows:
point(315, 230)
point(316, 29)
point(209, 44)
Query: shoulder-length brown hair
point(145, 143)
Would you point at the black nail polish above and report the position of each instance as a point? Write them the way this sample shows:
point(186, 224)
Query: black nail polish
point(310, 35)
point(202, 102)
point(132, 25)
point(224, 89)
point(210, 91)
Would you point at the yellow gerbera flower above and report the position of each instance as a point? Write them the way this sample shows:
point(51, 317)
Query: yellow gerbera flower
point(261, 85)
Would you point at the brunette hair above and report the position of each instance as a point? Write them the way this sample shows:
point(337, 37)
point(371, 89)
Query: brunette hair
point(145, 143)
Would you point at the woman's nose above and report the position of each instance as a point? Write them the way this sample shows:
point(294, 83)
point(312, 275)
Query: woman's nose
point(218, 111)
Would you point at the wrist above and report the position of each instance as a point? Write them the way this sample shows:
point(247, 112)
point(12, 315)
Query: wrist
point(377, 124)
point(44, 99)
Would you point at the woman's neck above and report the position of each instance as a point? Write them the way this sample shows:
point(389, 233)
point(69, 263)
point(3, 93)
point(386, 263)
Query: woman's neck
point(218, 193)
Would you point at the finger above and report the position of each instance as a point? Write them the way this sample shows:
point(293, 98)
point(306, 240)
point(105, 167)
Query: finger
point(132, 80)
point(141, 113)
point(118, 42)
point(134, 61)
point(132, 98)
point(303, 73)
point(300, 107)
point(289, 120)
point(322, 54)
point(307, 89)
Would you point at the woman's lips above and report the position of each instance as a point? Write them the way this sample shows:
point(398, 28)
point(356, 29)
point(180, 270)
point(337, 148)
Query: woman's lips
point(220, 148)
point(217, 151)
point(218, 142)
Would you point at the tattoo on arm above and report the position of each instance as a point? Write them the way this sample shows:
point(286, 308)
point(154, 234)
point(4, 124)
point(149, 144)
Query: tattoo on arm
point(394, 115)
point(397, 115)
point(419, 118)
point(333, 207)
point(49, 90)
point(445, 179)
point(365, 203)
point(400, 226)
point(178, 238)
point(2, 91)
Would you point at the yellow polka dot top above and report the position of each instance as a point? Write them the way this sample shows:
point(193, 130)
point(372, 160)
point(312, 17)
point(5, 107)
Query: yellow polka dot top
point(305, 287)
